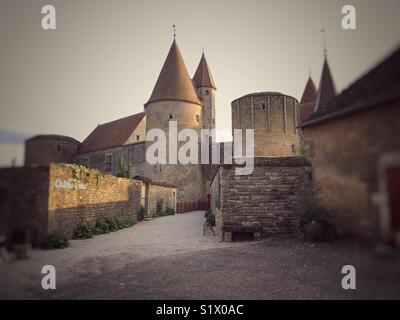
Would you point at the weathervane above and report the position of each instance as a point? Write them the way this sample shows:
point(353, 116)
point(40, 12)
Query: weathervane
point(324, 40)
point(174, 27)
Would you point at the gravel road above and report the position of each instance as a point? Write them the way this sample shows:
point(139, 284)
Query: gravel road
point(169, 258)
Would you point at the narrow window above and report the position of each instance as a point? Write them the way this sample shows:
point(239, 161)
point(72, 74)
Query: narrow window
point(137, 138)
point(108, 162)
point(207, 92)
point(170, 117)
point(263, 106)
point(197, 118)
point(58, 148)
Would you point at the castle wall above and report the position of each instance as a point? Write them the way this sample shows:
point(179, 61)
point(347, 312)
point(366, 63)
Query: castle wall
point(92, 197)
point(188, 178)
point(345, 153)
point(269, 200)
point(23, 201)
point(273, 118)
point(60, 197)
point(133, 154)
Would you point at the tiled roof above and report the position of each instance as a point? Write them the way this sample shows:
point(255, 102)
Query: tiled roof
point(309, 93)
point(379, 85)
point(202, 76)
point(111, 134)
point(326, 89)
point(307, 102)
point(174, 82)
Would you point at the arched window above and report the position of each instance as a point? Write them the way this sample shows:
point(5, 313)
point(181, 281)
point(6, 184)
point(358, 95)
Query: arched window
point(170, 116)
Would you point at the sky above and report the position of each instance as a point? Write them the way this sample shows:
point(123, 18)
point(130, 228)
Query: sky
point(102, 61)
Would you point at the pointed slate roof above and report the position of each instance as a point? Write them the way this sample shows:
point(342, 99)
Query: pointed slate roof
point(202, 76)
point(111, 134)
point(174, 82)
point(377, 88)
point(326, 90)
point(307, 102)
point(309, 93)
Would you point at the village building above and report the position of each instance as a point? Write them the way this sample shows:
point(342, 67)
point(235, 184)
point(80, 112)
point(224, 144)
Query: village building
point(353, 143)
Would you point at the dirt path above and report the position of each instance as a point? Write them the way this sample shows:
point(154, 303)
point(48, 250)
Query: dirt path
point(169, 258)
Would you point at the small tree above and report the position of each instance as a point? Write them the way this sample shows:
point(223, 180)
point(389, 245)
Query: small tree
point(123, 172)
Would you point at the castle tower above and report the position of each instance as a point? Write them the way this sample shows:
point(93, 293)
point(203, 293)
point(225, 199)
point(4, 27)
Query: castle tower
point(307, 102)
point(205, 87)
point(174, 98)
point(326, 89)
point(273, 116)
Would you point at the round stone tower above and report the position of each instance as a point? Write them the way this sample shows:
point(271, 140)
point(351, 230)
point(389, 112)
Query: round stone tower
point(273, 116)
point(174, 98)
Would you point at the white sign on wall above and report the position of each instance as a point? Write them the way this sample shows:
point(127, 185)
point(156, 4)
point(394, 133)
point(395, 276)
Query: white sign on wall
point(69, 184)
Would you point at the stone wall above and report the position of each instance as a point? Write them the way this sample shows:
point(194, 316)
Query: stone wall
point(23, 201)
point(60, 197)
point(271, 199)
point(79, 196)
point(133, 155)
point(165, 196)
point(345, 153)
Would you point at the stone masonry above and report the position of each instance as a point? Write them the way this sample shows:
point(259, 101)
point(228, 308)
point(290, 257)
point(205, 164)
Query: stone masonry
point(267, 202)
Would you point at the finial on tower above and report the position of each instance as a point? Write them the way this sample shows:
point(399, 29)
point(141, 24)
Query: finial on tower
point(174, 28)
point(324, 40)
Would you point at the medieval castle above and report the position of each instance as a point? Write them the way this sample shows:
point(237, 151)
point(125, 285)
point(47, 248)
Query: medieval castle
point(302, 150)
point(189, 102)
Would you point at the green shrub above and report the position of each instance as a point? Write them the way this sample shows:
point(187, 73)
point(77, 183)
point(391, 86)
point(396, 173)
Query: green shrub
point(316, 225)
point(101, 227)
point(210, 217)
point(112, 224)
point(170, 212)
point(83, 232)
point(56, 240)
point(127, 222)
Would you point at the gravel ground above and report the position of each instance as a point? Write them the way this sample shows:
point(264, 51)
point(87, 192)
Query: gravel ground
point(169, 258)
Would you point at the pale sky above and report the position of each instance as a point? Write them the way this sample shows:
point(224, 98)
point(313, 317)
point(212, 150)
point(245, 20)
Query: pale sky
point(102, 61)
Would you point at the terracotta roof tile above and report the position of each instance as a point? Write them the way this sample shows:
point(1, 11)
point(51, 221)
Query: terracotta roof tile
point(202, 76)
point(174, 82)
point(111, 134)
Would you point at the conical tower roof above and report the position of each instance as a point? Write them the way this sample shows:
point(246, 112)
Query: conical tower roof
point(202, 76)
point(326, 90)
point(310, 93)
point(307, 102)
point(174, 82)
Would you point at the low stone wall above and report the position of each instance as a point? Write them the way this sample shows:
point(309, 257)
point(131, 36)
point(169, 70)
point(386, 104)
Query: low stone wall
point(60, 197)
point(78, 195)
point(269, 201)
point(23, 202)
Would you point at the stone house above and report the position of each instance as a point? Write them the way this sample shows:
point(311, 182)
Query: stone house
point(353, 143)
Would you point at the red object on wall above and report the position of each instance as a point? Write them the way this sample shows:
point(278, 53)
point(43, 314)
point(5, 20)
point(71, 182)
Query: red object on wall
point(393, 185)
point(192, 206)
